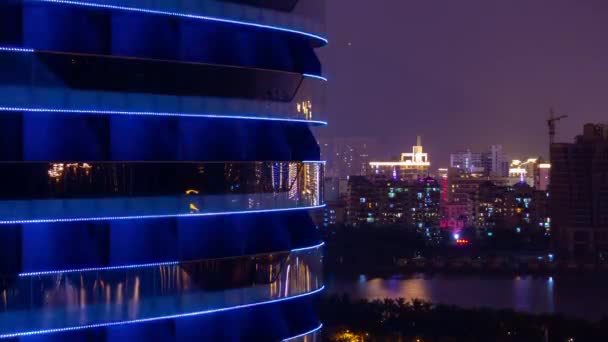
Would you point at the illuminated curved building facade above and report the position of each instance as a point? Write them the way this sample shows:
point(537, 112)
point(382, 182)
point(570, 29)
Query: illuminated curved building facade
point(157, 169)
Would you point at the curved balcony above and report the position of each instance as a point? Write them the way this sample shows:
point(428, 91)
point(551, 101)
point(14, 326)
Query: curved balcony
point(85, 84)
point(64, 192)
point(98, 298)
point(30, 249)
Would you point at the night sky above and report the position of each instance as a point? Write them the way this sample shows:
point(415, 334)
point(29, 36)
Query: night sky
point(464, 73)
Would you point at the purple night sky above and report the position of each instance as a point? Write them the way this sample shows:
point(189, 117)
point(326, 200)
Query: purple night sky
point(466, 73)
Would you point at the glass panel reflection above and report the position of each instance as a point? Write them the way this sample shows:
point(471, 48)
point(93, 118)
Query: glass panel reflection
point(69, 300)
point(139, 75)
point(47, 191)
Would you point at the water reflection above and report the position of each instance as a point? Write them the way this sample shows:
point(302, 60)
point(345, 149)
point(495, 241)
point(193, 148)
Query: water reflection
point(550, 295)
point(379, 288)
point(521, 293)
point(536, 294)
point(60, 300)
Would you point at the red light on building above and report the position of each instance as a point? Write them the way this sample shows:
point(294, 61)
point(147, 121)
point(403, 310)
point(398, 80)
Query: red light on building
point(444, 182)
point(462, 242)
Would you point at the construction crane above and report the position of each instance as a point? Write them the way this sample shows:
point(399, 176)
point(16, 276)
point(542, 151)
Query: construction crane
point(551, 123)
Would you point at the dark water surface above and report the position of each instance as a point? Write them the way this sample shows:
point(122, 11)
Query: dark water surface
point(582, 296)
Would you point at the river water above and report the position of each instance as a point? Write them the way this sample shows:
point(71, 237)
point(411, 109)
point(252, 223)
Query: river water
point(581, 296)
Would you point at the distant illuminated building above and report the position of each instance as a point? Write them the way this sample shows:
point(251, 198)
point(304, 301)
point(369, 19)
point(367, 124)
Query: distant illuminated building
point(454, 216)
point(520, 209)
point(496, 162)
point(533, 172)
point(412, 165)
point(491, 162)
point(462, 185)
point(442, 176)
point(461, 189)
point(383, 201)
point(346, 156)
point(522, 171)
point(542, 177)
point(467, 160)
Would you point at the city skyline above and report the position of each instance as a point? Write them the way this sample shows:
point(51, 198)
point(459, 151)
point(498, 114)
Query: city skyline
point(502, 71)
point(367, 150)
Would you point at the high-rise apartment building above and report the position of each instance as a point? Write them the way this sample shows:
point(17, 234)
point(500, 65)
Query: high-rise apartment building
point(467, 160)
point(492, 162)
point(520, 209)
point(496, 161)
point(346, 156)
point(158, 169)
point(542, 177)
point(579, 193)
point(384, 201)
point(461, 188)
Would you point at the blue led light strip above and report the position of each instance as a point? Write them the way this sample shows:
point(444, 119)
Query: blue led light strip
point(144, 217)
point(315, 76)
point(308, 248)
point(314, 161)
point(188, 115)
point(15, 49)
point(96, 269)
point(184, 15)
point(126, 267)
point(146, 320)
point(306, 333)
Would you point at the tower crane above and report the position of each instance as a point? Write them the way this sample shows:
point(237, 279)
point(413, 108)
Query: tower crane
point(551, 123)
